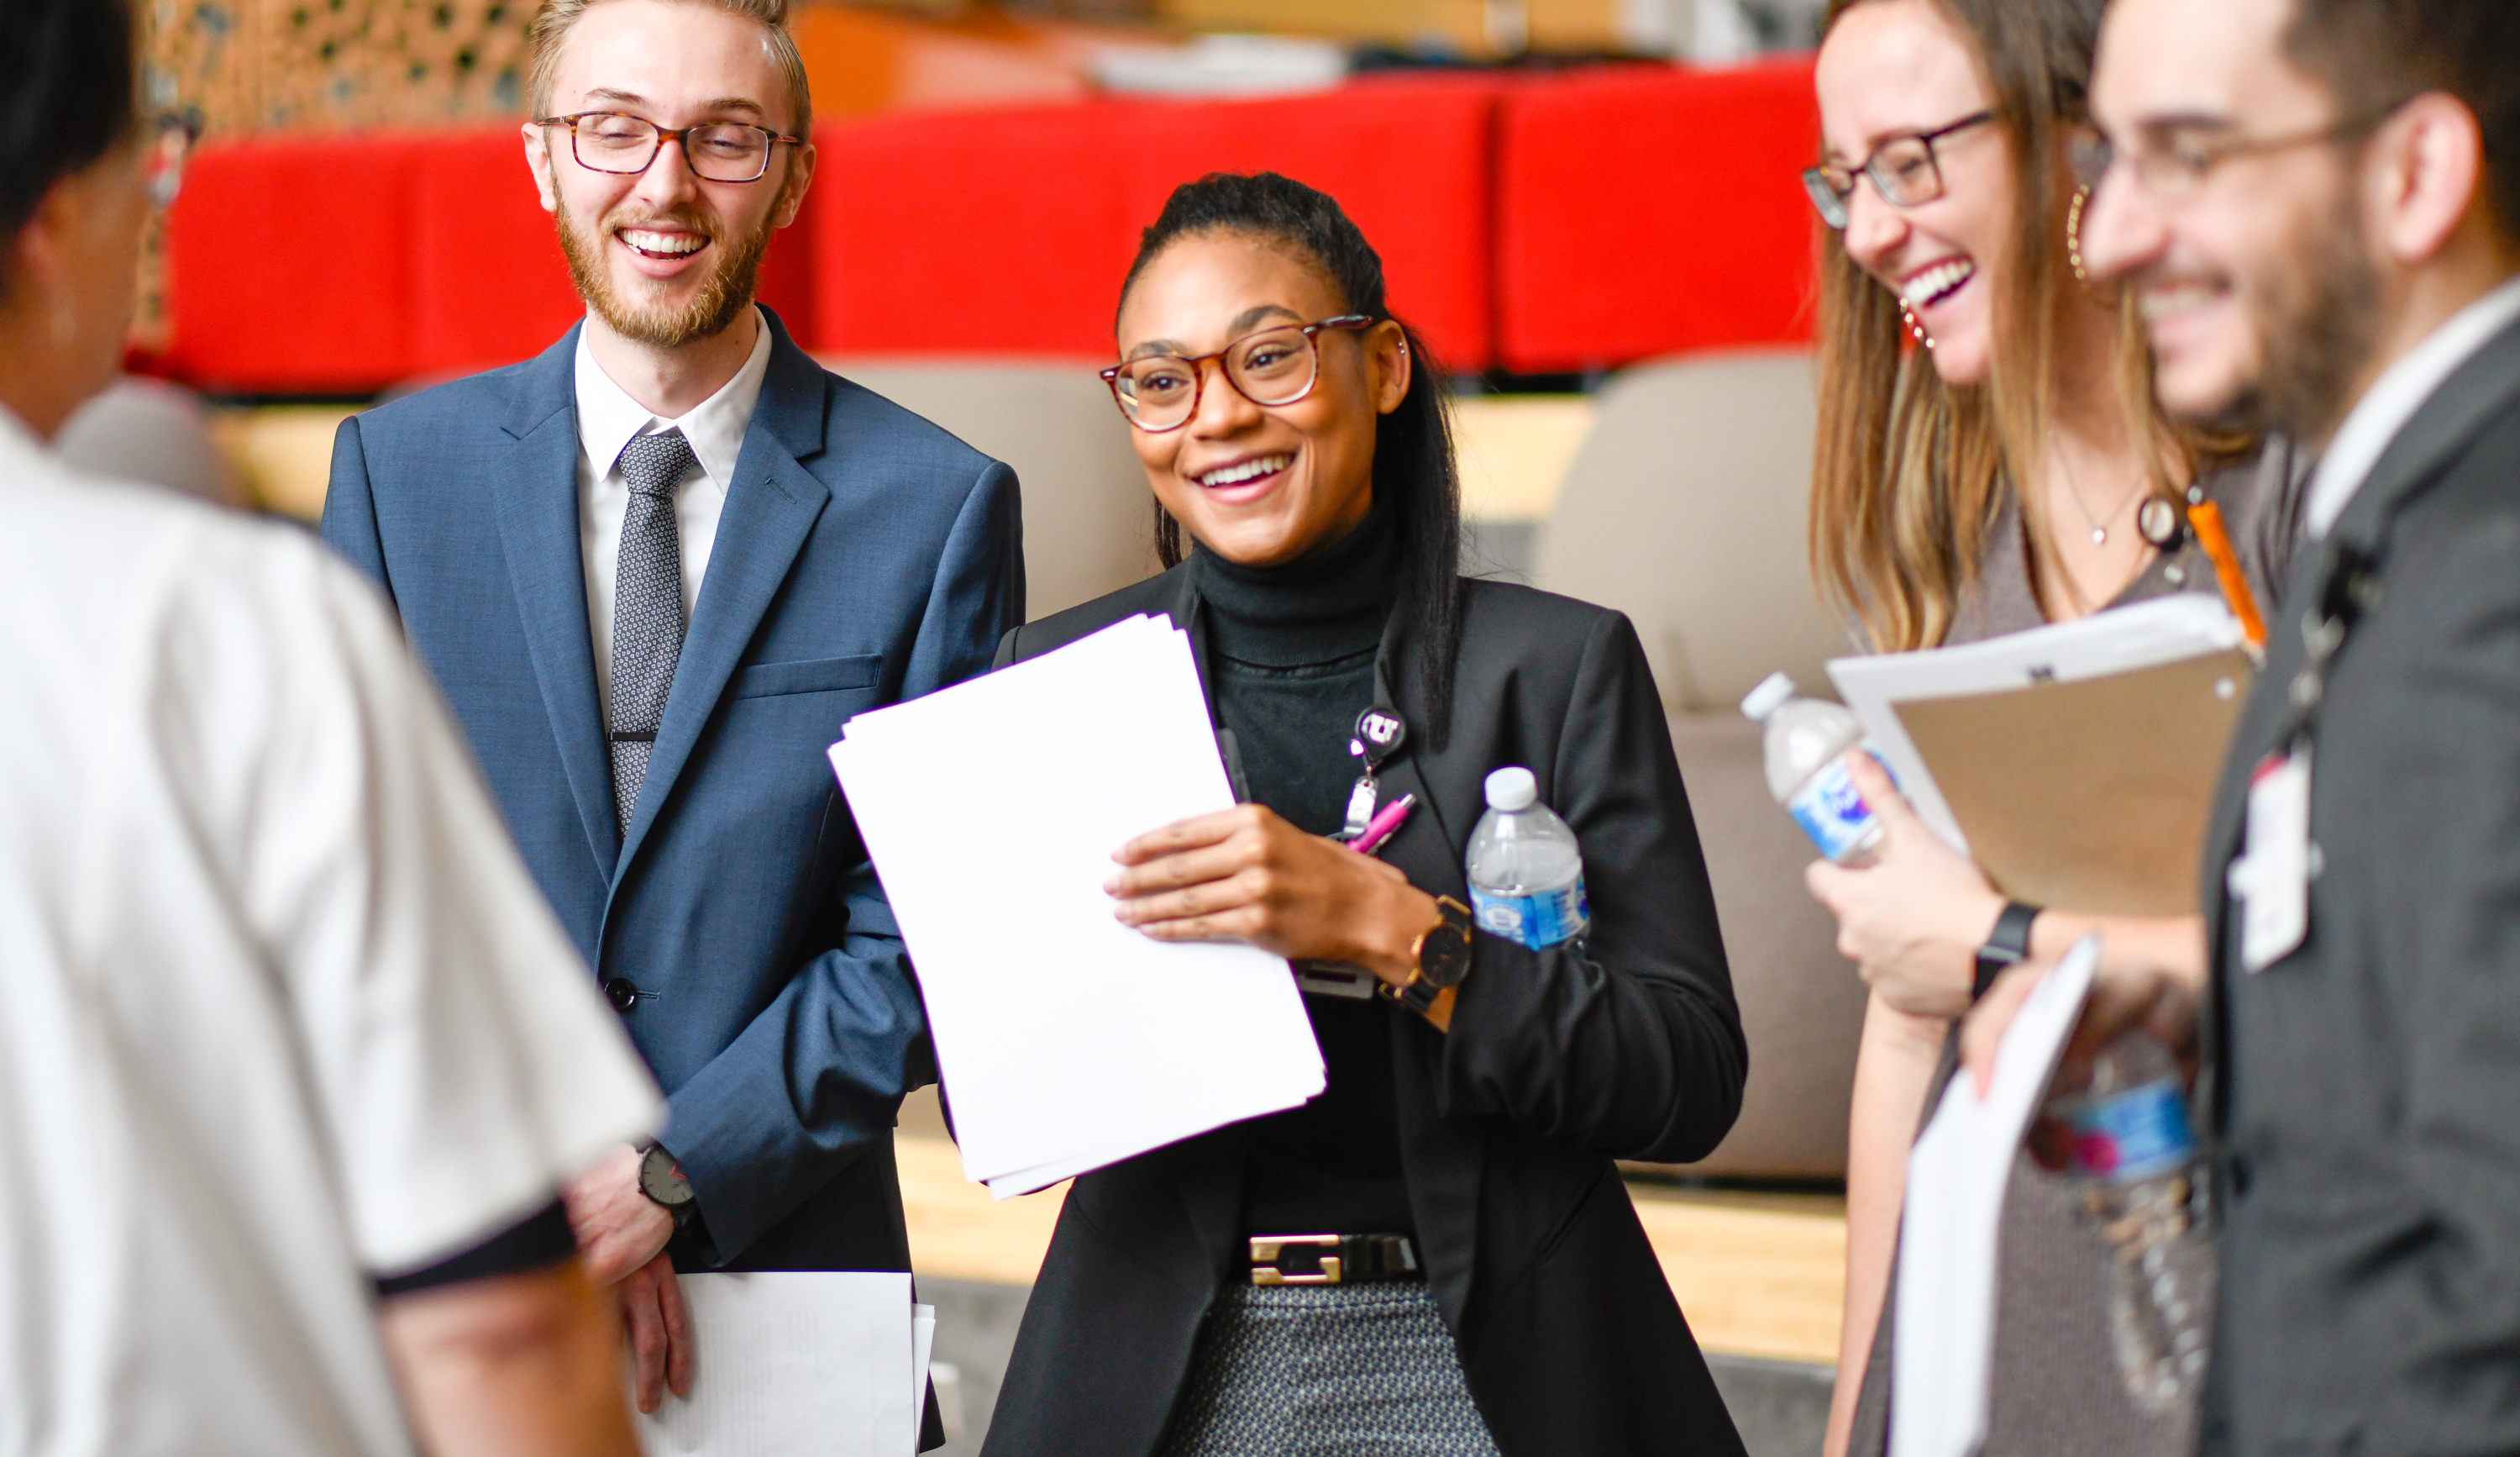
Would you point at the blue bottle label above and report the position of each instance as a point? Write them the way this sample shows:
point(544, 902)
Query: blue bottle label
point(2136, 1134)
point(1534, 921)
point(1833, 812)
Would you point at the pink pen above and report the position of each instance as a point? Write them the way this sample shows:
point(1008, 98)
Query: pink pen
point(1383, 824)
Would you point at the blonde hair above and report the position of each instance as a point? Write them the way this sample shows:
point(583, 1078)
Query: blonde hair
point(553, 22)
point(1911, 472)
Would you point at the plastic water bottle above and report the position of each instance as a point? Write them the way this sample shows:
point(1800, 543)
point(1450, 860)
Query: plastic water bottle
point(2134, 1159)
point(1526, 872)
point(1807, 744)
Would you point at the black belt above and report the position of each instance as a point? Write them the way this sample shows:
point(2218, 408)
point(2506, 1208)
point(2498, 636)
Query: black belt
point(1332, 1259)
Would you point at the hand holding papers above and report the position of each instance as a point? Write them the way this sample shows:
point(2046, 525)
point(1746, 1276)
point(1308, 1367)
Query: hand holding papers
point(2075, 763)
point(799, 1364)
point(1944, 1323)
point(1068, 1041)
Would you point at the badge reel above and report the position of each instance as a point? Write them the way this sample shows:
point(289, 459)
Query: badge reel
point(1379, 736)
point(2272, 875)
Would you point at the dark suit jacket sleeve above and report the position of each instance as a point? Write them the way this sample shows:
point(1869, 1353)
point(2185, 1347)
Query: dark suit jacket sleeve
point(351, 509)
point(1627, 1042)
point(818, 1076)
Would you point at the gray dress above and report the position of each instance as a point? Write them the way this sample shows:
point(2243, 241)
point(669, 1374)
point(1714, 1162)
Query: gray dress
point(2057, 1391)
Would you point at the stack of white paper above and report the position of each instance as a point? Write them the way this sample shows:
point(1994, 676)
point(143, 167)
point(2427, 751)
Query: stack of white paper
point(809, 1363)
point(1944, 1323)
point(1067, 1040)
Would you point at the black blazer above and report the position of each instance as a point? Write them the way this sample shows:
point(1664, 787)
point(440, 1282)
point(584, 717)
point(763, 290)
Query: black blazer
point(2365, 1090)
point(1557, 1061)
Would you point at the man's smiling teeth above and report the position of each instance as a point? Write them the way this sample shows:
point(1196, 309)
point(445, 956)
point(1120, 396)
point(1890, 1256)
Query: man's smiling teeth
point(1250, 470)
point(2161, 303)
point(1934, 283)
point(669, 245)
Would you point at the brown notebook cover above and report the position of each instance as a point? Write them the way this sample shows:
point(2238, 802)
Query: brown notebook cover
point(2090, 795)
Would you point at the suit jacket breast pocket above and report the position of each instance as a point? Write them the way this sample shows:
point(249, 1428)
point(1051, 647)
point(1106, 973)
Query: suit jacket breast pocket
point(809, 675)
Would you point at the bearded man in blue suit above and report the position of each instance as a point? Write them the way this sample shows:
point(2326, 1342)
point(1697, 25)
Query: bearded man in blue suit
point(654, 571)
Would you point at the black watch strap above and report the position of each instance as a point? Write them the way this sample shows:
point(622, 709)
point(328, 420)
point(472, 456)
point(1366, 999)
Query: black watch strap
point(2008, 945)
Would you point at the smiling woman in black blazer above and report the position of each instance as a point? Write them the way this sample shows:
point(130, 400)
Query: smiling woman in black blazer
point(1495, 1292)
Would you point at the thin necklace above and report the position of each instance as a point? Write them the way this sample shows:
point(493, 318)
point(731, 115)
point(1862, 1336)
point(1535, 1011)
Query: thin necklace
point(2099, 533)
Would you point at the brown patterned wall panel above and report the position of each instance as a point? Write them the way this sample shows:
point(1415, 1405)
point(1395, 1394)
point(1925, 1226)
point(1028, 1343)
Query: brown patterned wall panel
point(340, 64)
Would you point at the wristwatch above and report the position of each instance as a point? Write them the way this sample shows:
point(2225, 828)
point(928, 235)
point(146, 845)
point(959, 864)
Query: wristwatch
point(2008, 945)
point(1442, 955)
point(661, 1179)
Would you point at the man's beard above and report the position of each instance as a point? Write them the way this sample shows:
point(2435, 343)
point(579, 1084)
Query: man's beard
point(724, 296)
point(2317, 323)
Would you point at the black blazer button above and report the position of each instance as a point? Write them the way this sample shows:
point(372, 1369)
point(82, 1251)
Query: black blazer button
point(621, 994)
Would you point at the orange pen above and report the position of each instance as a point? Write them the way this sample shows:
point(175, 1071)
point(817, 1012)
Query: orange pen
point(2207, 519)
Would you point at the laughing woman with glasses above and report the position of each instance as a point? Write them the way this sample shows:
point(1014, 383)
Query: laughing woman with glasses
point(1990, 459)
point(1435, 1257)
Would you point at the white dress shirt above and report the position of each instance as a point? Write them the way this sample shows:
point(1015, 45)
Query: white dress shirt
point(280, 1010)
point(608, 419)
point(2391, 403)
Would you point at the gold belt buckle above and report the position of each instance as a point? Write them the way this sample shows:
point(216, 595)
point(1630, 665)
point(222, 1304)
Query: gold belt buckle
point(1268, 1249)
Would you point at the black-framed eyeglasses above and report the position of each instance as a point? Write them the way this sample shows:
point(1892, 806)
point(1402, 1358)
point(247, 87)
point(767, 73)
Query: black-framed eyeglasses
point(625, 145)
point(2176, 162)
point(1904, 170)
point(172, 136)
point(1274, 366)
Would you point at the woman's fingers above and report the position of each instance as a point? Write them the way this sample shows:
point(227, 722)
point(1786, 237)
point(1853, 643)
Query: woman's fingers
point(1190, 834)
point(1208, 897)
point(1190, 867)
point(1888, 806)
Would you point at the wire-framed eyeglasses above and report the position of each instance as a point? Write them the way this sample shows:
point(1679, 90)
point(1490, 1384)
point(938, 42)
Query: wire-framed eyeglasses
point(624, 145)
point(2176, 162)
point(1274, 366)
point(1904, 170)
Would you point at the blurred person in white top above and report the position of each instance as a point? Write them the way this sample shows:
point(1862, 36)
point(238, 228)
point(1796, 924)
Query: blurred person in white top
point(293, 1060)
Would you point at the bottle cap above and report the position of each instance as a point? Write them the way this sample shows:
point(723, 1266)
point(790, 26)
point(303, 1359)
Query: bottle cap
point(1768, 697)
point(1513, 789)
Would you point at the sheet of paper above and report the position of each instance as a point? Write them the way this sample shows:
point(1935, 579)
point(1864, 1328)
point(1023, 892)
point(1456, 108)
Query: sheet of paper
point(2146, 635)
point(1944, 1320)
point(793, 1364)
point(992, 809)
point(922, 1333)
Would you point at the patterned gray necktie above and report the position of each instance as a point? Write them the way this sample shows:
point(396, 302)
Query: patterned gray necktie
point(646, 610)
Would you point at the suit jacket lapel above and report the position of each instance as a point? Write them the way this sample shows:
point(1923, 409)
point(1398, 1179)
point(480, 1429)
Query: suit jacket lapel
point(538, 528)
point(770, 507)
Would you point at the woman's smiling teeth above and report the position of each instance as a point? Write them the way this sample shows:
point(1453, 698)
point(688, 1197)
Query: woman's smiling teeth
point(663, 245)
point(1245, 470)
point(1937, 283)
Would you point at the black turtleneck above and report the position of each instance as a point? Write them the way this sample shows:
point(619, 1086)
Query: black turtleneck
point(1291, 652)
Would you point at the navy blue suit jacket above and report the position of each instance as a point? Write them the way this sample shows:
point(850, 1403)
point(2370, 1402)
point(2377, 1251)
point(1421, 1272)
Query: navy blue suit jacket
point(864, 557)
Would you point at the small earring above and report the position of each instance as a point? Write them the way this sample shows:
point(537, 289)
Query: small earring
point(1915, 328)
point(2074, 235)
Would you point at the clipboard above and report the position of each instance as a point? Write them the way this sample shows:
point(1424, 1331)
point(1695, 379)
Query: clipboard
point(2075, 764)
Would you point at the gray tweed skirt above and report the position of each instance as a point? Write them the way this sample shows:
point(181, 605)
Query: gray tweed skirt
point(1326, 1371)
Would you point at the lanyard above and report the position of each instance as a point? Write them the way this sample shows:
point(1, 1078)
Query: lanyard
point(2351, 590)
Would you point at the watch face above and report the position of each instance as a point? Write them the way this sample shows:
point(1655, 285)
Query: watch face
point(1444, 957)
point(661, 1179)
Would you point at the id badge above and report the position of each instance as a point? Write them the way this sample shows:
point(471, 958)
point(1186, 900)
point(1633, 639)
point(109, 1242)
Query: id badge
point(2271, 878)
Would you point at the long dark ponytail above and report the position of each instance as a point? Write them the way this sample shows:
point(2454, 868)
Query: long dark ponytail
point(1413, 445)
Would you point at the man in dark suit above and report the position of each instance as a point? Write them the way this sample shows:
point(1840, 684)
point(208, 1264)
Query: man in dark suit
point(548, 530)
point(2317, 203)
